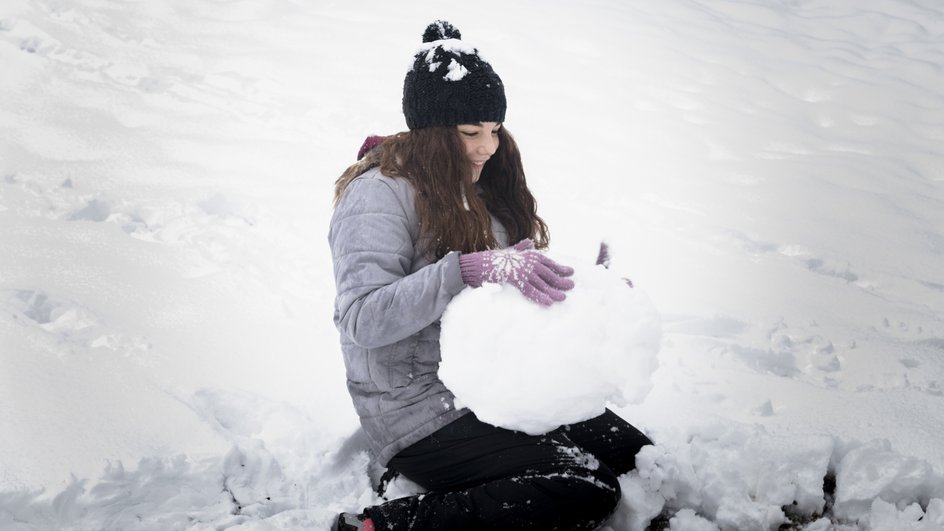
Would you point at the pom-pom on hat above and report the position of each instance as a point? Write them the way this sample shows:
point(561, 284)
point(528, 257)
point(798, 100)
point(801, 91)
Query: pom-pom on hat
point(450, 83)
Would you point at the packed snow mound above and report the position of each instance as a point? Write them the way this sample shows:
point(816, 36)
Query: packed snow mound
point(726, 476)
point(523, 366)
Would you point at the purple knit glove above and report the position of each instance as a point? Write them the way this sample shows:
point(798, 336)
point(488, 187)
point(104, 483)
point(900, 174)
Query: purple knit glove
point(539, 278)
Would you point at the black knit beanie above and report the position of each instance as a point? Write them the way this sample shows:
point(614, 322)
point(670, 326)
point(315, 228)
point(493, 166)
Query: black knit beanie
point(450, 83)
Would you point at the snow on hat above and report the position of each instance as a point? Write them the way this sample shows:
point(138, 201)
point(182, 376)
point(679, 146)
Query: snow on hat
point(450, 83)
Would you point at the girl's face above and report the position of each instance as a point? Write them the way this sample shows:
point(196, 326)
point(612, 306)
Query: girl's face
point(480, 141)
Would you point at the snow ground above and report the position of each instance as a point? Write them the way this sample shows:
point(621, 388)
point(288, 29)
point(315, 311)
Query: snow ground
point(771, 174)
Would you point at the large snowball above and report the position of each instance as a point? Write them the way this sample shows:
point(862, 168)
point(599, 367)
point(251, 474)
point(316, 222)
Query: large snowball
point(530, 368)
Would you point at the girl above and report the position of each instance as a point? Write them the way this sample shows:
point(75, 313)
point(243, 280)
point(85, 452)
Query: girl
point(422, 215)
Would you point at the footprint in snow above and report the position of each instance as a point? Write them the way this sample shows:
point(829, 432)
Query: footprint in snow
point(94, 210)
point(69, 327)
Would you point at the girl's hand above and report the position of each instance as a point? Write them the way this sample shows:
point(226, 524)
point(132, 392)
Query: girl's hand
point(539, 278)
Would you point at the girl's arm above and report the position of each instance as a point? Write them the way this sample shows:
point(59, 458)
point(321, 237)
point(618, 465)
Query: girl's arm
point(372, 239)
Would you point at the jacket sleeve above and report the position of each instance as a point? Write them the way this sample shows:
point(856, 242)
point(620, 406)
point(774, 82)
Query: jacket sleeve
point(379, 301)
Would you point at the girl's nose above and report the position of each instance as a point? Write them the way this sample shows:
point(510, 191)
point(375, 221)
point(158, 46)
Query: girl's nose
point(488, 146)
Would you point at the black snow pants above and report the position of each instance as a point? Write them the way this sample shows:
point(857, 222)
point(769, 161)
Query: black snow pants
point(482, 477)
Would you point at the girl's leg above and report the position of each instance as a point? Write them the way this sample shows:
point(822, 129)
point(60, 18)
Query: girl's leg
point(483, 477)
point(611, 439)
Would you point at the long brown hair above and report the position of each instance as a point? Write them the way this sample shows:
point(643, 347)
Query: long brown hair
point(453, 211)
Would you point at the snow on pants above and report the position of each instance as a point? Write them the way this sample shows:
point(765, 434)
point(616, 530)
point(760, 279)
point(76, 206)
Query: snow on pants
point(482, 477)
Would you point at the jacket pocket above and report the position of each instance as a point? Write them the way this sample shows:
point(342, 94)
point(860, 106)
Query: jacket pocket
point(391, 366)
point(427, 358)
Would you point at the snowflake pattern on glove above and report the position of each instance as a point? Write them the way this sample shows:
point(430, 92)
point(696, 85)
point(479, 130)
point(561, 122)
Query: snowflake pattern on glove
point(508, 266)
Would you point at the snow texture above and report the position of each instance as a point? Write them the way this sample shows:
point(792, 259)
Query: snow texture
point(456, 71)
point(769, 174)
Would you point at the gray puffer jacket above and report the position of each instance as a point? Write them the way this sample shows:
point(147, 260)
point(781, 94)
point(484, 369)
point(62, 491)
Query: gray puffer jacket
point(390, 298)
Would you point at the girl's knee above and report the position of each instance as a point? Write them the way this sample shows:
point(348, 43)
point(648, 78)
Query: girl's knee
point(589, 500)
point(605, 500)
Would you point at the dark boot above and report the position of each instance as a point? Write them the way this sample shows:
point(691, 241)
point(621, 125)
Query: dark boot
point(353, 522)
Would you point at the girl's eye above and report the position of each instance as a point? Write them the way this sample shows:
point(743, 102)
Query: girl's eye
point(468, 133)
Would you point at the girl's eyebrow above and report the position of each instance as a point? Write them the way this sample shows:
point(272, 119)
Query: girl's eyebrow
point(481, 124)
